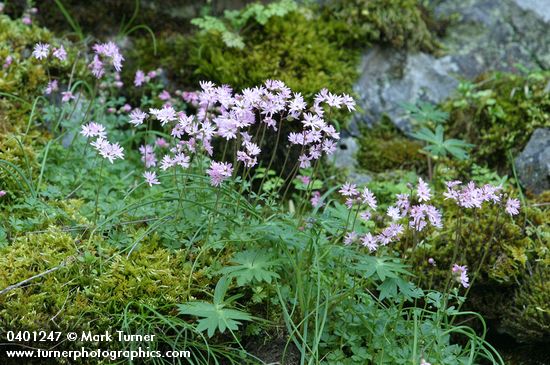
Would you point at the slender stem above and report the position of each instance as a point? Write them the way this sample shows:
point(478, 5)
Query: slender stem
point(98, 188)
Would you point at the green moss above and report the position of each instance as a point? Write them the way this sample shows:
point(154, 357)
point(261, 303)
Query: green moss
point(396, 23)
point(294, 49)
point(528, 318)
point(24, 76)
point(151, 275)
point(35, 304)
point(19, 157)
point(384, 148)
point(93, 285)
point(512, 245)
point(499, 113)
point(291, 49)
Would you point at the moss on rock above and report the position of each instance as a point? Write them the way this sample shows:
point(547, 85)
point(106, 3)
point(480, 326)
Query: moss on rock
point(499, 113)
point(396, 23)
point(383, 147)
point(528, 318)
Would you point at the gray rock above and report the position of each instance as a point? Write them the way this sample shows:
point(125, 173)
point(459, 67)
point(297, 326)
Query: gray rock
point(391, 78)
point(344, 156)
point(490, 35)
point(533, 164)
point(359, 178)
point(540, 7)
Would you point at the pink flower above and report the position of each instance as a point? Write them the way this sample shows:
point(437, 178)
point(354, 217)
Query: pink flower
point(67, 96)
point(161, 142)
point(60, 53)
point(166, 163)
point(51, 87)
point(431, 261)
point(107, 150)
point(111, 51)
point(349, 202)
point(246, 159)
point(92, 130)
point(423, 191)
point(41, 50)
point(7, 62)
point(219, 172)
point(403, 202)
point(137, 117)
point(182, 160)
point(151, 178)
point(139, 79)
point(164, 95)
point(512, 207)
point(2, 193)
point(393, 213)
point(304, 179)
point(126, 108)
point(26, 20)
point(349, 189)
point(96, 67)
point(350, 238)
point(461, 275)
point(389, 233)
point(329, 146)
point(164, 115)
point(305, 161)
point(148, 156)
point(365, 215)
point(348, 102)
point(367, 197)
point(370, 242)
point(316, 200)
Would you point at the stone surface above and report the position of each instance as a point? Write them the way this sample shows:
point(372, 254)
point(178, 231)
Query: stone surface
point(344, 156)
point(490, 35)
point(533, 164)
point(539, 7)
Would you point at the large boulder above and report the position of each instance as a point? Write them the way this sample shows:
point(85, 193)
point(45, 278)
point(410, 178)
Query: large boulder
point(533, 164)
point(490, 35)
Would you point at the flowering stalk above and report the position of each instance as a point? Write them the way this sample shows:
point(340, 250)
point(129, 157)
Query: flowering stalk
point(96, 211)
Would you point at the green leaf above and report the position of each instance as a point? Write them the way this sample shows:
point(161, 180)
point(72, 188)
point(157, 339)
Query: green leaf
point(215, 316)
point(252, 265)
point(425, 112)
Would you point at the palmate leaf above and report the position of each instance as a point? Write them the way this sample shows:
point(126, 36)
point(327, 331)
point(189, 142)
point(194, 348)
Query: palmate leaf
point(425, 112)
point(438, 146)
point(252, 265)
point(383, 267)
point(215, 316)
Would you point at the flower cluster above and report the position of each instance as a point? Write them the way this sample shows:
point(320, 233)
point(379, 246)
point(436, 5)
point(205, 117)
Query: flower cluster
point(461, 275)
point(470, 196)
point(141, 78)
point(222, 113)
point(7, 62)
point(417, 211)
point(219, 171)
point(42, 51)
point(105, 51)
point(109, 151)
